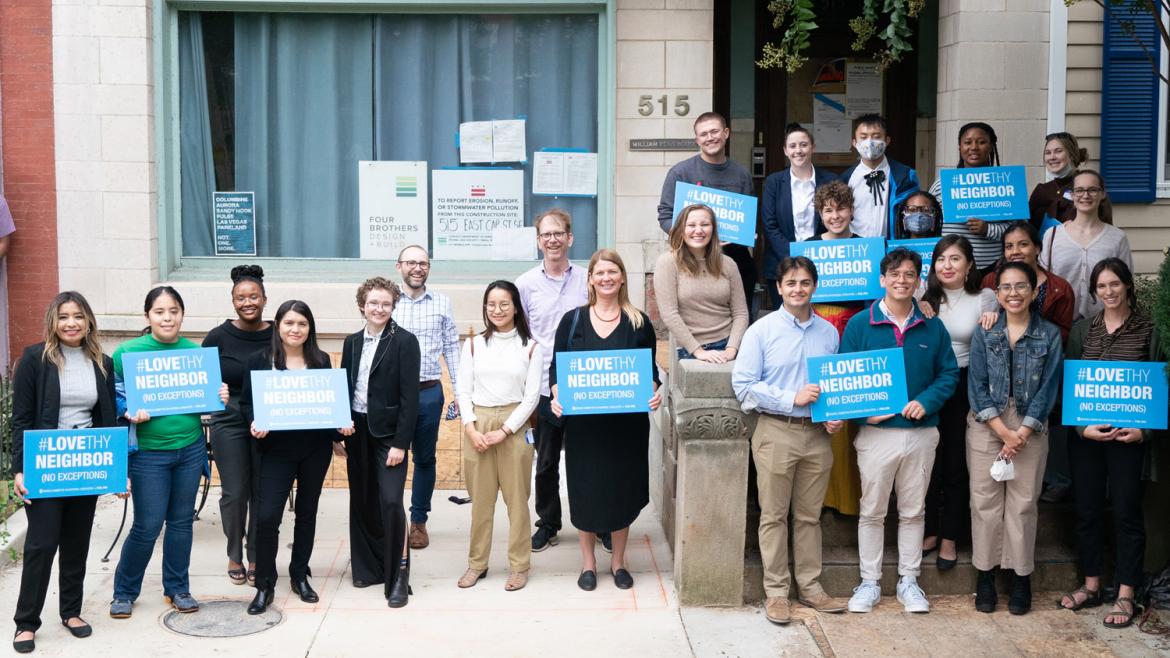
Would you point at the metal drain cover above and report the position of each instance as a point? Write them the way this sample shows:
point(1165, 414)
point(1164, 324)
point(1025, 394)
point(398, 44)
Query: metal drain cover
point(225, 618)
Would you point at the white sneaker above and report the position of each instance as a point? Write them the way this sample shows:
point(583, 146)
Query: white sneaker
point(865, 596)
point(911, 596)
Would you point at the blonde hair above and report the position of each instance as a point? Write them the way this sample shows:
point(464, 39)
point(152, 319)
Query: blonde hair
point(91, 346)
point(624, 303)
point(683, 258)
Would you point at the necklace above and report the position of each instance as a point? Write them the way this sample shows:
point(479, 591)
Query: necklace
point(598, 315)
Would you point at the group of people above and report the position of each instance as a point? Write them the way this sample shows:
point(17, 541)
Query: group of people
point(984, 337)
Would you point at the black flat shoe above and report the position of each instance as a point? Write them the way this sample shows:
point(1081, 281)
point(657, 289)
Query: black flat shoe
point(587, 580)
point(263, 599)
point(23, 646)
point(85, 630)
point(622, 579)
point(944, 564)
point(303, 589)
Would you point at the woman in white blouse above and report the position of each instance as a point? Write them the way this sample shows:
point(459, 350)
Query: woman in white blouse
point(499, 386)
point(1074, 248)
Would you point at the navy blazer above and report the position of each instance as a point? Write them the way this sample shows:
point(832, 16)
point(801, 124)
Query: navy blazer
point(779, 227)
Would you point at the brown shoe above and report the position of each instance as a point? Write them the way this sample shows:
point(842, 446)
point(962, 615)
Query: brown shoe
point(418, 537)
point(516, 580)
point(778, 609)
point(471, 577)
point(822, 602)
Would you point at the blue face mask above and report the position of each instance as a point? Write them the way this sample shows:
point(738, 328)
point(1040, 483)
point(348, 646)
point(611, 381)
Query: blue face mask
point(918, 222)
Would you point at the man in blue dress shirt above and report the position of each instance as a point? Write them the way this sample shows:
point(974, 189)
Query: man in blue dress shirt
point(792, 454)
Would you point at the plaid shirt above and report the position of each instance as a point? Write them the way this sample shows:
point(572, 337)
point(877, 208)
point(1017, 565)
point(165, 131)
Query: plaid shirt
point(432, 321)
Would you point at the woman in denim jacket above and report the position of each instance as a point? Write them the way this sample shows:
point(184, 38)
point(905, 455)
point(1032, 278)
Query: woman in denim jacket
point(1012, 385)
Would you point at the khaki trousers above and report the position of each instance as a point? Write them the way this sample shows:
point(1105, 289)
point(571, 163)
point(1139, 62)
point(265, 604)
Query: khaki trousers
point(505, 467)
point(1003, 514)
point(895, 459)
point(793, 461)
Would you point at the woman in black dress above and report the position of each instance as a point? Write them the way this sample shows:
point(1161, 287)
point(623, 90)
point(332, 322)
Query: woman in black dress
point(606, 461)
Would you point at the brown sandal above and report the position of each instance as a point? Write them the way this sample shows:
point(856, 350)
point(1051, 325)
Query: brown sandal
point(1092, 599)
point(1122, 602)
point(471, 577)
point(516, 580)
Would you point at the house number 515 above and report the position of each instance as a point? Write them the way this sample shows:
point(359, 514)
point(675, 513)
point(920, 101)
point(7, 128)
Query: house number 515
point(646, 104)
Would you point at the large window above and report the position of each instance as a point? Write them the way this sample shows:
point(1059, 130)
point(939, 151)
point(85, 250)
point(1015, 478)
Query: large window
point(285, 105)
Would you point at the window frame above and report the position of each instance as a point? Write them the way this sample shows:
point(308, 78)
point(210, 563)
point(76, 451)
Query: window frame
point(173, 265)
point(1161, 185)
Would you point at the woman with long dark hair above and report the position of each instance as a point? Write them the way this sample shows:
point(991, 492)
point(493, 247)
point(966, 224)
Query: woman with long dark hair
point(302, 456)
point(64, 382)
point(499, 386)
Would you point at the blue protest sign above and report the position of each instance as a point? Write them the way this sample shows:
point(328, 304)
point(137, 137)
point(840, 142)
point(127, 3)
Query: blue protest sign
point(300, 399)
point(858, 384)
point(605, 382)
point(989, 193)
point(1117, 393)
point(847, 270)
point(924, 247)
point(234, 215)
point(735, 214)
point(171, 382)
point(1047, 225)
point(82, 462)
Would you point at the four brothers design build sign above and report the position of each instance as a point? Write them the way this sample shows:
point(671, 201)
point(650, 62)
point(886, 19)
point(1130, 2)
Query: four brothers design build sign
point(392, 207)
point(300, 399)
point(605, 382)
point(735, 214)
point(172, 382)
point(469, 205)
point(1117, 393)
point(858, 384)
point(847, 269)
point(82, 462)
point(988, 193)
point(234, 220)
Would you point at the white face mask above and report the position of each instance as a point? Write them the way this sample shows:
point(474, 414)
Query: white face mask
point(871, 149)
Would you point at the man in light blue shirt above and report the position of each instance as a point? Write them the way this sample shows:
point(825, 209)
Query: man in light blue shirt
point(793, 455)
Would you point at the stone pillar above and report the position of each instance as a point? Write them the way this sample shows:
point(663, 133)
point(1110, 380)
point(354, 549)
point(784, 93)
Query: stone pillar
point(710, 441)
point(993, 67)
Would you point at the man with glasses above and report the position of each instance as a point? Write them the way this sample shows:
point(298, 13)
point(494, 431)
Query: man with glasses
point(547, 292)
point(426, 314)
point(895, 452)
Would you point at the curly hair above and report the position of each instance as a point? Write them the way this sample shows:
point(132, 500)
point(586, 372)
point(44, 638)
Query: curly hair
point(837, 191)
point(376, 283)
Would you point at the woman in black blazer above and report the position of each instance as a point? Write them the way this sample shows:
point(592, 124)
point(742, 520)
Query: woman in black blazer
point(784, 223)
point(65, 382)
point(381, 362)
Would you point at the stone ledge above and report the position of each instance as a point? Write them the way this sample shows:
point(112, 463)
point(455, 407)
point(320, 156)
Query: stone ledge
point(699, 379)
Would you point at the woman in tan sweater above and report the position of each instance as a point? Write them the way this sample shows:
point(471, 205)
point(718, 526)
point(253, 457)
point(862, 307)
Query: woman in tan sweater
point(699, 291)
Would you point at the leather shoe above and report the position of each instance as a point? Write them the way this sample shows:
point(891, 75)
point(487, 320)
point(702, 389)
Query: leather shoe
point(778, 609)
point(822, 602)
point(944, 564)
point(400, 589)
point(587, 580)
point(84, 630)
point(362, 584)
point(263, 599)
point(303, 589)
point(622, 579)
point(418, 537)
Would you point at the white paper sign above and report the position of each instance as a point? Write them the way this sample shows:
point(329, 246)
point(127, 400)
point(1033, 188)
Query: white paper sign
point(863, 89)
point(548, 172)
point(475, 142)
point(492, 141)
point(392, 207)
point(508, 144)
point(514, 243)
point(469, 205)
point(568, 173)
point(831, 128)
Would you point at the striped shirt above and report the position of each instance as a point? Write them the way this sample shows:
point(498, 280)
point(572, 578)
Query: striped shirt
point(1131, 341)
point(987, 248)
point(432, 322)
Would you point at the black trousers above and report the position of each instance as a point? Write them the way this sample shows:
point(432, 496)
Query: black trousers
point(285, 457)
point(1109, 467)
point(53, 523)
point(747, 269)
point(377, 516)
point(948, 507)
point(550, 439)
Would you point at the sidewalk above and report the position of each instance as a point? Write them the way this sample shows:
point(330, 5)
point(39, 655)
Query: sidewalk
point(550, 617)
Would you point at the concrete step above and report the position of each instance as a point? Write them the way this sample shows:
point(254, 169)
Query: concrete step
point(1056, 570)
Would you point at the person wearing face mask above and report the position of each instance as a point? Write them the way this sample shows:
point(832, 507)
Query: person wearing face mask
point(789, 211)
point(1053, 198)
point(978, 147)
point(919, 216)
point(879, 183)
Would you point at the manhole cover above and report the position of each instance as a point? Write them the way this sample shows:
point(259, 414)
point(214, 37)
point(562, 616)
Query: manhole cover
point(221, 619)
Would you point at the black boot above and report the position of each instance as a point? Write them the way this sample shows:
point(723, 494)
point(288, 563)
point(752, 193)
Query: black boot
point(400, 589)
point(1020, 601)
point(985, 595)
point(303, 589)
point(264, 596)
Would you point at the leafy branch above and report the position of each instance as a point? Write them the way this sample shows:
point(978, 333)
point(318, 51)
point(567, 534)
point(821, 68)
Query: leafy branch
point(887, 21)
point(1122, 12)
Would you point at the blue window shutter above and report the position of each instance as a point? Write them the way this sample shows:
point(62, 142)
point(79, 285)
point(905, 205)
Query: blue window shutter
point(1129, 108)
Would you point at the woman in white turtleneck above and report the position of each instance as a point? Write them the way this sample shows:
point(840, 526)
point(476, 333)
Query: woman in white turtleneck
point(499, 387)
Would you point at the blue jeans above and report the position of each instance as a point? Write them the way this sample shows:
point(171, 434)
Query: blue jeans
point(163, 484)
point(717, 345)
point(426, 436)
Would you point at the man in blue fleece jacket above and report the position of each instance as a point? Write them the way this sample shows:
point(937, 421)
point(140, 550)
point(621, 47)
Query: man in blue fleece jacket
point(896, 451)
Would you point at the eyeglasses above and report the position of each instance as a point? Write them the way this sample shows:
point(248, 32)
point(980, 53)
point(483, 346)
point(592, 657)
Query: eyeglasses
point(901, 276)
point(1087, 191)
point(553, 235)
point(502, 306)
point(385, 306)
point(910, 210)
point(1021, 287)
point(411, 264)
